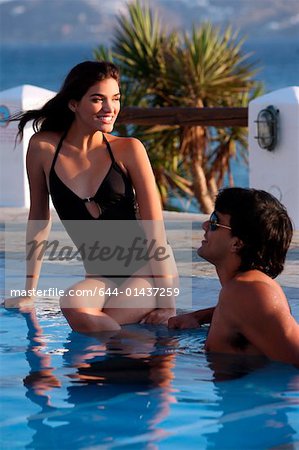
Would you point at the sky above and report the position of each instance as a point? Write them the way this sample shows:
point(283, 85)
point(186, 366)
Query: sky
point(42, 20)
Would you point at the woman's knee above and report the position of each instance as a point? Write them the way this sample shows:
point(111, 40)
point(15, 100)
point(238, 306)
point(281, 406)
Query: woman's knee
point(74, 300)
point(88, 293)
point(82, 305)
point(89, 320)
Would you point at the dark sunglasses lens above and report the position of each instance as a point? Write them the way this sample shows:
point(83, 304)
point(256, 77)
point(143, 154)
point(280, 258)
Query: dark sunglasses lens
point(213, 222)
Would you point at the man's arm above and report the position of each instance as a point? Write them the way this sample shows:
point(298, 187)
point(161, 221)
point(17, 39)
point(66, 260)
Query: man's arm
point(192, 320)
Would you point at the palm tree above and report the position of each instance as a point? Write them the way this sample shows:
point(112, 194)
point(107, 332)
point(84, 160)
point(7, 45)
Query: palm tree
point(214, 74)
point(139, 50)
point(205, 69)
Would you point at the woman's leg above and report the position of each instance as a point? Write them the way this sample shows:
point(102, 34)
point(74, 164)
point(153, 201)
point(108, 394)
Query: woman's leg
point(82, 305)
point(135, 300)
point(91, 312)
point(137, 296)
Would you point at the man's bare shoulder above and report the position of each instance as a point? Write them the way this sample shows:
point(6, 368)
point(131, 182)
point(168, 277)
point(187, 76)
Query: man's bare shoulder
point(254, 290)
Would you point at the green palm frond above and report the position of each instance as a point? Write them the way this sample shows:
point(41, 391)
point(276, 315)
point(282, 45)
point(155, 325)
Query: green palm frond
point(204, 68)
point(102, 53)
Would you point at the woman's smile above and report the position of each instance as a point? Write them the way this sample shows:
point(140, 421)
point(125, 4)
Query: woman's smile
point(105, 118)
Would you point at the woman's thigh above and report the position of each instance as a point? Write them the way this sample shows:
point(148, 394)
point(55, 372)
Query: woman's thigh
point(136, 295)
point(133, 298)
point(82, 306)
point(87, 293)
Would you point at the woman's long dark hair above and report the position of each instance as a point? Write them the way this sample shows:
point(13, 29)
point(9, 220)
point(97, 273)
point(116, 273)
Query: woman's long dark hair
point(262, 223)
point(56, 115)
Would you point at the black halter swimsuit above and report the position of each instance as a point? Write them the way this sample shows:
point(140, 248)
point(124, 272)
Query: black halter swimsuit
point(115, 196)
point(102, 242)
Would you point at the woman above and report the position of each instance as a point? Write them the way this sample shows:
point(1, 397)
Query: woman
point(94, 176)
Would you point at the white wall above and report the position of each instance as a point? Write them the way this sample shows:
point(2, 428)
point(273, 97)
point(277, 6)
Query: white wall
point(14, 190)
point(277, 171)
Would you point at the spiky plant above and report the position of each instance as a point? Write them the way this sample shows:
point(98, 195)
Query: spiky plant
point(204, 69)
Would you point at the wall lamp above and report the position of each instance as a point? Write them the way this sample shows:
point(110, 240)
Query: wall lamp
point(267, 124)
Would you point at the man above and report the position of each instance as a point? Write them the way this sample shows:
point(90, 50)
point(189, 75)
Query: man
point(247, 238)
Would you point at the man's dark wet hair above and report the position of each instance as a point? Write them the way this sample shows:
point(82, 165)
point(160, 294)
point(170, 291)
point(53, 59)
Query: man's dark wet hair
point(262, 223)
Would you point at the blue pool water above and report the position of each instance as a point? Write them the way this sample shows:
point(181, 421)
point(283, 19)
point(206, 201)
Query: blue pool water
point(144, 388)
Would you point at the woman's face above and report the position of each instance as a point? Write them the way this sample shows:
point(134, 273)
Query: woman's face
point(98, 108)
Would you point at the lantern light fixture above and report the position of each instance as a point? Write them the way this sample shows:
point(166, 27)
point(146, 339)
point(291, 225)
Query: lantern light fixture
point(267, 127)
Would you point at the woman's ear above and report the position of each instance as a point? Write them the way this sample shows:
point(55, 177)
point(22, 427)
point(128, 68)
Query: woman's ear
point(72, 105)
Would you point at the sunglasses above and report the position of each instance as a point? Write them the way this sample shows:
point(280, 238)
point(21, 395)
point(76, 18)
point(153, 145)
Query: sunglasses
point(214, 223)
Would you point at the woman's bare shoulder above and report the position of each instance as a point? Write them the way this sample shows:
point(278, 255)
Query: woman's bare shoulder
point(41, 148)
point(124, 146)
point(43, 139)
point(122, 140)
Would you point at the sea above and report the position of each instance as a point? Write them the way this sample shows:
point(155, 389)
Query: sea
point(46, 65)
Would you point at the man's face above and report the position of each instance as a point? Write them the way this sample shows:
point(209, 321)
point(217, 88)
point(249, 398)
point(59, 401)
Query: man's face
point(217, 241)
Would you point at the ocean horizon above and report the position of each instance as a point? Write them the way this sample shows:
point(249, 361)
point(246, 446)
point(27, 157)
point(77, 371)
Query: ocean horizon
point(46, 65)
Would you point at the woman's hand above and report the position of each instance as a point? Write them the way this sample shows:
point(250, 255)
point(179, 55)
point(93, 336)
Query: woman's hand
point(19, 302)
point(158, 316)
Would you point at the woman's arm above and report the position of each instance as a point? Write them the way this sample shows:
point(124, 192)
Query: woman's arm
point(38, 225)
point(163, 267)
point(139, 167)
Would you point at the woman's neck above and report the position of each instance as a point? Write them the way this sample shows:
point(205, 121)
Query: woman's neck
point(83, 140)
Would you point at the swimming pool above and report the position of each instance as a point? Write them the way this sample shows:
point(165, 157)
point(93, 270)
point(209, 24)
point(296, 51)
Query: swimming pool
point(145, 387)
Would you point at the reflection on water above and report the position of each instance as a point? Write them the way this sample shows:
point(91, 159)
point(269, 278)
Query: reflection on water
point(145, 387)
point(253, 404)
point(112, 389)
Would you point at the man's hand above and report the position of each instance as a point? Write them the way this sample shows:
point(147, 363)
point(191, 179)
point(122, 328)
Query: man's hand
point(158, 316)
point(184, 321)
point(192, 320)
